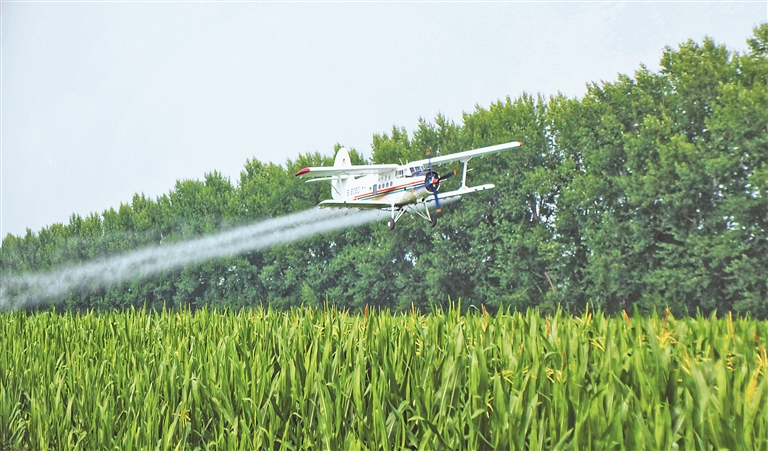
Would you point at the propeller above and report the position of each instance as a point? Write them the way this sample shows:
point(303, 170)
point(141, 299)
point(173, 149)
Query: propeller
point(432, 181)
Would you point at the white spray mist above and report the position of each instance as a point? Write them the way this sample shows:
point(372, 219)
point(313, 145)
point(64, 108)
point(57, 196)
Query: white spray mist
point(34, 289)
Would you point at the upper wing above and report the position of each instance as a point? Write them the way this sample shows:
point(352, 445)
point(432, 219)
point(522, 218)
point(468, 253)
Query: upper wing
point(466, 155)
point(328, 171)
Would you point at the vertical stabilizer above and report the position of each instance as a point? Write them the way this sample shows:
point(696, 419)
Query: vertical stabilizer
point(339, 183)
point(342, 158)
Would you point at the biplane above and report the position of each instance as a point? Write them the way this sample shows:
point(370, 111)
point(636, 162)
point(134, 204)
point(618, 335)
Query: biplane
point(397, 188)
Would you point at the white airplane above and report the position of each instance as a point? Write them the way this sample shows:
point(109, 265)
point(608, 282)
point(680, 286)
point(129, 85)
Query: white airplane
point(394, 187)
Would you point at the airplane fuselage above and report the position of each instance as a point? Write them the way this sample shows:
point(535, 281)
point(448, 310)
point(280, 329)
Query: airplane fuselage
point(402, 186)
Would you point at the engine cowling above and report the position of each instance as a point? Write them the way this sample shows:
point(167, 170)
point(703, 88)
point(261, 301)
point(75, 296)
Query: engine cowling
point(432, 181)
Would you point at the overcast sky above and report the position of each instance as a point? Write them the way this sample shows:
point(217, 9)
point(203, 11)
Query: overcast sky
point(104, 100)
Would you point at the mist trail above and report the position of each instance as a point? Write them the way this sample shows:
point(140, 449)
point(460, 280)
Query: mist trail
point(29, 290)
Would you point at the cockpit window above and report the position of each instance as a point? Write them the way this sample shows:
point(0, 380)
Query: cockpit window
point(415, 170)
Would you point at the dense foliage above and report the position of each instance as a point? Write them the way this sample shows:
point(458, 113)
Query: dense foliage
point(306, 378)
point(650, 191)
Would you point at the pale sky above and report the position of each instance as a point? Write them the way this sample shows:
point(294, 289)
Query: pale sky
point(103, 100)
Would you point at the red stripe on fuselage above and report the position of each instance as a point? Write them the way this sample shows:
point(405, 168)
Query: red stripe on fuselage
point(386, 191)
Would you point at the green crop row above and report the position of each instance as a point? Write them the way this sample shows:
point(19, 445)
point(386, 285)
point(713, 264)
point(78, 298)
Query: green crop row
point(314, 379)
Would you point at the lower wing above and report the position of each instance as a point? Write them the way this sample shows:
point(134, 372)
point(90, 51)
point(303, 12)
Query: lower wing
point(461, 191)
point(355, 204)
point(379, 204)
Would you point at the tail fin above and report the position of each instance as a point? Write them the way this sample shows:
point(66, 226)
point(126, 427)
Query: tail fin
point(338, 185)
point(342, 158)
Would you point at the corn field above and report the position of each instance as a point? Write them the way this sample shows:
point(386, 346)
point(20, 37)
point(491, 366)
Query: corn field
point(325, 379)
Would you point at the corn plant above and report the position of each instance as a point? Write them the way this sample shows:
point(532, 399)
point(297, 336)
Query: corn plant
point(328, 379)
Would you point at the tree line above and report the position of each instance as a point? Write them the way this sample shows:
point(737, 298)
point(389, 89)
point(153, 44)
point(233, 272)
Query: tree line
point(650, 191)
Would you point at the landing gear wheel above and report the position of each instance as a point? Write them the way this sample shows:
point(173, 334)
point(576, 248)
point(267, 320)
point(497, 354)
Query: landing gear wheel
point(433, 221)
point(391, 224)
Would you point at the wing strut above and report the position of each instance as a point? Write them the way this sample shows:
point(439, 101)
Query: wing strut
point(464, 174)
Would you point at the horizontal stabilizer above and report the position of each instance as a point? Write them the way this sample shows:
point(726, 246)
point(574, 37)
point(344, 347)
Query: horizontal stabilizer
point(323, 179)
point(329, 171)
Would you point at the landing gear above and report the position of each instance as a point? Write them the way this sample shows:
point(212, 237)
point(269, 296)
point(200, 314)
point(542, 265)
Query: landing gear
point(394, 214)
point(397, 213)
